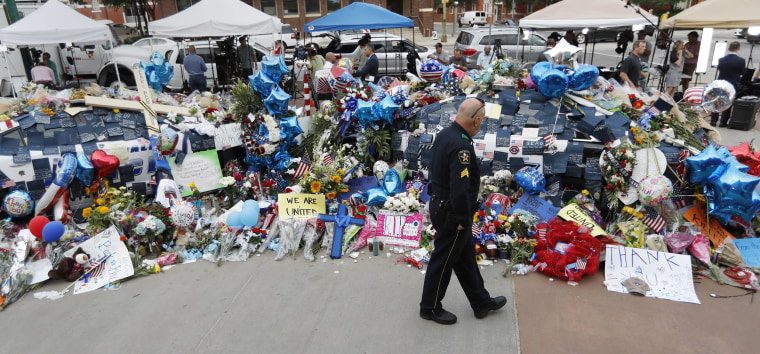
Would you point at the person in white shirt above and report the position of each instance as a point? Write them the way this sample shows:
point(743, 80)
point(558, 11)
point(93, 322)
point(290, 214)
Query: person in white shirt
point(329, 60)
point(485, 58)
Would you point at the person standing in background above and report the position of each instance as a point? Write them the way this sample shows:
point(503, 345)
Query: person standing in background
point(690, 63)
point(247, 61)
point(730, 68)
point(46, 61)
point(196, 69)
point(645, 59)
point(673, 77)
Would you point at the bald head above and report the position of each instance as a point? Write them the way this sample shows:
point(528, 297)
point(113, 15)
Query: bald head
point(471, 114)
point(330, 57)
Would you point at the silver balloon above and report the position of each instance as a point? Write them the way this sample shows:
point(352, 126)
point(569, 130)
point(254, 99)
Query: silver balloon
point(718, 96)
point(563, 53)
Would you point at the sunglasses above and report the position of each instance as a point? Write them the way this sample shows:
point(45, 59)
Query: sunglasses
point(482, 106)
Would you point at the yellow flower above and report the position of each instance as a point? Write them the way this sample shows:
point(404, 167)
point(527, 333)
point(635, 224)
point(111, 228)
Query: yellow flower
point(99, 201)
point(102, 209)
point(116, 110)
point(316, 187)
point(341, 173)
point(4, 118)
point(192, 185)
point(639, 141)
point(503, 217)
point(344, 190)
point(331, 195)
point(336, 179)
point(87, 212)
point(585, 192)
point(31, 102)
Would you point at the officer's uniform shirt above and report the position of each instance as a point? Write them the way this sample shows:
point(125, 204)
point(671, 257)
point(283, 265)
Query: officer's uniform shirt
point(455, 173)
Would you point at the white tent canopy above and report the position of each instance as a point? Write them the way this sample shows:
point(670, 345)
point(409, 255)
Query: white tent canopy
point(717, 14)
point(587, 13)
point(216, 18)
point(55, 22)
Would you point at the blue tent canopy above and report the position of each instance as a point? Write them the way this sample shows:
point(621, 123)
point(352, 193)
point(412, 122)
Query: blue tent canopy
point(359, 16)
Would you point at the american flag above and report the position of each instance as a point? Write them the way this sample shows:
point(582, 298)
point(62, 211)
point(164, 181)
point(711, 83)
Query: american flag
point(679, 198)
point(475, 230)
point(549, 142)
point(327, 160)
point(95, 269)
point(653, 219)
point(580, 264)
point(7, 184)
point(542, 233)
point(304, 166)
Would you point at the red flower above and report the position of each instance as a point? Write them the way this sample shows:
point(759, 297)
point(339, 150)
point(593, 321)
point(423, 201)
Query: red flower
point(609, 187)
point(345, 91)
point(521, 240)
point(488, 204)
point(622, 163)
point(482, 213)
point(497, 223)
point(638, 104)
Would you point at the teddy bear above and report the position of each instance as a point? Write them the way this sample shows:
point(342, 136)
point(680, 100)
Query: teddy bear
point(70, 268)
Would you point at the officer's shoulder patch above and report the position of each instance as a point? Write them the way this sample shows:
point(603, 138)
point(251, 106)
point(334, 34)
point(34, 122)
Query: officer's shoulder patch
point(465, 137)
point(464, 157)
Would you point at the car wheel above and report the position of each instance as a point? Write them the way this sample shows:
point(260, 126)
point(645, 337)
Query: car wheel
point(581, 38)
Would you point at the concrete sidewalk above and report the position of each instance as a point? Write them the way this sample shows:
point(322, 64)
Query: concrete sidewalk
point(262, 306)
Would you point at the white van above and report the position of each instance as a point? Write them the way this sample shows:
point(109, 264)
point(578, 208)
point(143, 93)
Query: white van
point(474, 18)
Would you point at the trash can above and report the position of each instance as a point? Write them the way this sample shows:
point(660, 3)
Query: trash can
point(745, 112)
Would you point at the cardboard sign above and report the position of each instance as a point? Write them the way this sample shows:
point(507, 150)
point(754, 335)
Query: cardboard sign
point(117, 266)
point(199, 167)
point(667, 274)
point(399, 229)
point(536, 206)
point(697, 215)
point(573, 212)
point(300, 205)
point(750, 250)
point(227, 136)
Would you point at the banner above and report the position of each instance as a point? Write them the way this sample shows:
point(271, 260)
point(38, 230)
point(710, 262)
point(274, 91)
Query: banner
point(573, 212)
point(300, 205)
point(117, 266)
point(667, 274)
point(200, 167)
point(399, 229)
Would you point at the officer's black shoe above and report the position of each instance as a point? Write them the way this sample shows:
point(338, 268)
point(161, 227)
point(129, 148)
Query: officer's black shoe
point(713, 123)
point(495, 304)
point(723, 125)
point(441, 316)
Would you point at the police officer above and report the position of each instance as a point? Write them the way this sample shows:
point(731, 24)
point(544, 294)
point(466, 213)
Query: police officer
point(454, 184)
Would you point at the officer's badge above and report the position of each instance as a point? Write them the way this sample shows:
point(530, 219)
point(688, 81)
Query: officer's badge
point(464, 157)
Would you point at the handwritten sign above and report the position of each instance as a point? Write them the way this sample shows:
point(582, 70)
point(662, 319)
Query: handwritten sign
point(697, 215)
point(536, 206)
point(227, 136)
point(199, 167)
point(399, 229)
point(573, 212)
point(667, 274)
point(750, 250)
point(300, 205)
point(116, 267)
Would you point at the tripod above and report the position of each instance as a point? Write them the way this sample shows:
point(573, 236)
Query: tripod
point(497, 52)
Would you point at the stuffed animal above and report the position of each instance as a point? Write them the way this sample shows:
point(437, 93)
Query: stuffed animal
point(71, 268)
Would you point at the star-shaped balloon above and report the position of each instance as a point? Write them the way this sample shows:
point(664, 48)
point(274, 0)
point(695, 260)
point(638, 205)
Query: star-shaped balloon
point(364, 113)
point(563, 53)
point(733, 192)
point(386, 109)
point(157, 71)
point(261, 83)
point(703, 165)
point(391, 186)
point(281, 159)
point(289, 130)
point(277, 101)
point(274, 67)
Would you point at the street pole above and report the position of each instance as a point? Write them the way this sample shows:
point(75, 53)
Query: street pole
point(443, 36)
point(453, 27)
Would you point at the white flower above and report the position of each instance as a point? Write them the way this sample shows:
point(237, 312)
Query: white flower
point(247, 184)
point(490, 69)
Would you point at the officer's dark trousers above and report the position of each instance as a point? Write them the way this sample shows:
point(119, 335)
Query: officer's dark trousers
point(454, 249)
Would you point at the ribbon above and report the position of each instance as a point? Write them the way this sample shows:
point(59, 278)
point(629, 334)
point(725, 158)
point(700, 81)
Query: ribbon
point(342, 220)
point(620, 168)
point(350, 107)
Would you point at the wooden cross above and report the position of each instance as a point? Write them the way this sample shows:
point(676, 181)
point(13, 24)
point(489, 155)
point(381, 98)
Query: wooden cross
point(342, 220)
point(145, 104)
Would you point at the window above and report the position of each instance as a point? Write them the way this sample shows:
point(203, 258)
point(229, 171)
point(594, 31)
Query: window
point(333, 5)
point(506, 39)
point(312, 7)
point(290, 7)
point(269, 7)
point(537, 40)
point(465, 38)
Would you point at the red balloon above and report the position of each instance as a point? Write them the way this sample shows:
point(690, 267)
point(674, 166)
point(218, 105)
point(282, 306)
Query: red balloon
point(36, 225)
point(104, 164)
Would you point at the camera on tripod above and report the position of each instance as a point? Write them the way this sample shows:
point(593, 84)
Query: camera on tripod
point(497, 48)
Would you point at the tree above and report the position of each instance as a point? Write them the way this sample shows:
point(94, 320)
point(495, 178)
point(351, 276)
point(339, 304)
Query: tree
point(144, 9)
point(656, 3)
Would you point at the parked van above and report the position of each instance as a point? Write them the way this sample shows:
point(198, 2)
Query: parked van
point(515, 43)
point(474, 18)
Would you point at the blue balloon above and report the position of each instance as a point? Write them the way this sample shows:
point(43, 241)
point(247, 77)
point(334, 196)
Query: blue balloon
point(277, 101)
point(261, 83)
point(539, 69)
point(531, 180)
point(274, 67)
point(289, 130)
point(85, 171)
point(552, 83)
point(157, 71)
point(392, 182)
point(733, 192)
point(235, 220)
point(281, 160)
point(386, 109)
point(375, 196)
point(250, 216)
point(364, 113)
point(67, 170)
point(584, 77)
point(53, 231)
point(251, 204)
point(702, 166)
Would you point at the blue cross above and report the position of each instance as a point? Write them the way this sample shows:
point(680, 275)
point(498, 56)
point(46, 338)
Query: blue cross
point(342, 220)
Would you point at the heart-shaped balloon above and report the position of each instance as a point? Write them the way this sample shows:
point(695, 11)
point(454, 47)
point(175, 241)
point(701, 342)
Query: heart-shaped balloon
point(104, 164)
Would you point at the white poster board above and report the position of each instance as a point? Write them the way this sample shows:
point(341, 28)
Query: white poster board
point(227, 136)
point(117, 266)
point(667, 274)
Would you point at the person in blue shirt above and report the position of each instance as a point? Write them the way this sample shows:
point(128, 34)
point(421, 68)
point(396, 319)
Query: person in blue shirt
point(196, 68)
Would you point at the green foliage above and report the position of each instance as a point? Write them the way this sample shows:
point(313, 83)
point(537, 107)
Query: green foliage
point(246, 101)
point(380, 139)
